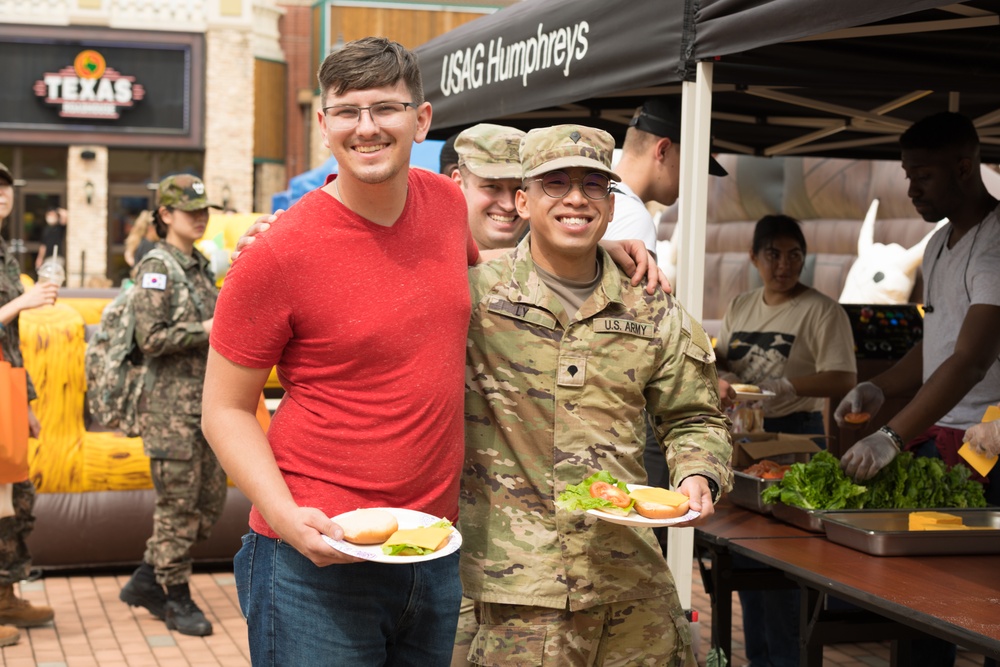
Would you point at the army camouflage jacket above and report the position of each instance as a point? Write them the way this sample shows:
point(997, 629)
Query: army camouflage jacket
point(551, 400)
point(168, 330)
point(10, 289)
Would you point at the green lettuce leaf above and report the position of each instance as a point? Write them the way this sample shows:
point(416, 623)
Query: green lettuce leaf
point(817, 485)
point(907, 482)
point(577, 496)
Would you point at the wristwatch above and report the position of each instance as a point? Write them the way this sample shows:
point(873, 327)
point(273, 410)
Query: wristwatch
point(713, 486)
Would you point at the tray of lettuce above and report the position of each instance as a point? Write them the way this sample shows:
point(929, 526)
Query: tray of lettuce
point(908, 482)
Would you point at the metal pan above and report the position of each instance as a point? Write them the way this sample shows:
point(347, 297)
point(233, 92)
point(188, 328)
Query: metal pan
point(747, 489)
point(886, 533)
point(810, 520)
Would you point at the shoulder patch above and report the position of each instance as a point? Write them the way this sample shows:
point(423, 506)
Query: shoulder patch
point(154, 281)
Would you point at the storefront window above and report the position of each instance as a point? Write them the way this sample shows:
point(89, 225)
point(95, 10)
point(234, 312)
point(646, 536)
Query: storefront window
point(44, 163)
point(181, 163)
point(127, 166)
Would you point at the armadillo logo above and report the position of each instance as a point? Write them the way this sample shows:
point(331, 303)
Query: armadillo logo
point(89, 88)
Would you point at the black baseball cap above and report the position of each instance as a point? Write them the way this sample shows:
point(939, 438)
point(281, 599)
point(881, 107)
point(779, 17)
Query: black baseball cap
point(662, 117)
point(5, 174)
point(449, 156)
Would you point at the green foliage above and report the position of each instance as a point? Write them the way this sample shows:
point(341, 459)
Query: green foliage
point(716, 658)
point(817, 485)
point(908, 482)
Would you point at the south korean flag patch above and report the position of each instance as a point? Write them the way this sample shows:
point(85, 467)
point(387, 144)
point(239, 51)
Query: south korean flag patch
point(154, 281)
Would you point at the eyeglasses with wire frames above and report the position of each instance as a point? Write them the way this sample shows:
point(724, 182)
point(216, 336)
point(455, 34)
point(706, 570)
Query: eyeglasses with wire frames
point(557, 184)
point(383, 114)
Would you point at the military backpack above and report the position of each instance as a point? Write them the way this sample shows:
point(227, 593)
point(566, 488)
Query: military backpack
point(117, 371)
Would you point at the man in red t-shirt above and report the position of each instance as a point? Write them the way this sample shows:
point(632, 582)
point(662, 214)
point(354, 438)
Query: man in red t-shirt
point(360, 297)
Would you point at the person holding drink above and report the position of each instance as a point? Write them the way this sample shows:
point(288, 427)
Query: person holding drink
point(15, 558)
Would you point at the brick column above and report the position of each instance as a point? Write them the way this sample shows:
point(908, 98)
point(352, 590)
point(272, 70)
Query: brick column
point(86, 249)
point(229, 115)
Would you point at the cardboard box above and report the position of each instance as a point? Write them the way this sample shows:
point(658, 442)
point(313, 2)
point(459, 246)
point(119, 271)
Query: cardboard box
point(782, 448)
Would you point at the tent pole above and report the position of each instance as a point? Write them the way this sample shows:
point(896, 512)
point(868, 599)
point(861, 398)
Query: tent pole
point(696, 120)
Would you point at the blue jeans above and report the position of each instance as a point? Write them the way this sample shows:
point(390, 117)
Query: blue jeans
point(364, 614)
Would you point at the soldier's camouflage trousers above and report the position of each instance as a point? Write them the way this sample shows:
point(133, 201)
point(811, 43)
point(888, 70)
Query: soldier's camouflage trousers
point(651, 632)
point(15, 561)
point(190, 496)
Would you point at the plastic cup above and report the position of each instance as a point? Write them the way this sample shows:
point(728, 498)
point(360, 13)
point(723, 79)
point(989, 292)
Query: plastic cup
point(51, 271)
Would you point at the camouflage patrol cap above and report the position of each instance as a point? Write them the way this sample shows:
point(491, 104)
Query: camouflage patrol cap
point(562, 146)
point(5, 174)
point(490, 151)
point(184, 192)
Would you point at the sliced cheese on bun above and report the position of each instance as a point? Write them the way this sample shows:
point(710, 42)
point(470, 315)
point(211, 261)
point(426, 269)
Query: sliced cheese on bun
point(416, 541)
point(367, 526)
point(657, 503)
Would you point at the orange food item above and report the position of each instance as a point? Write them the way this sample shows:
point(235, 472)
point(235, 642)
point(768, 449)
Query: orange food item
point(767, 469)
point(611, 493)
point(857, 417)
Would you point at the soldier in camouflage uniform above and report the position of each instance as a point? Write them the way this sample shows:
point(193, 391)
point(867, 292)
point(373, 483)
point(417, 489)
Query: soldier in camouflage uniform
point(489, 172)
point(563, 356)
point(173, 322)
point(15, 560)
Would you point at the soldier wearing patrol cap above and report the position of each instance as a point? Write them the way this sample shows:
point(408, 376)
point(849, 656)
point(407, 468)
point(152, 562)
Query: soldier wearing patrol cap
point(174, 303)
point(489, 171)
point(15, 558)
point(566, 355)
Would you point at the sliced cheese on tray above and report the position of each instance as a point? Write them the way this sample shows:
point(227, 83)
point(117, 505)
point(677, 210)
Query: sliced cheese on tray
point(935, 521)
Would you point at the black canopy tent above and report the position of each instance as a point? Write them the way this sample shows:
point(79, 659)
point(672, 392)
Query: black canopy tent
point(788, 74)
point(762, 77)
point(541, 56)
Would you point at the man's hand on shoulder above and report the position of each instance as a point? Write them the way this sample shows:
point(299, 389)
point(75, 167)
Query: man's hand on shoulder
point(636, 261)
point(261, 224)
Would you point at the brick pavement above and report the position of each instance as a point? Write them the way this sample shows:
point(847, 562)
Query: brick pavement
point(93, 628)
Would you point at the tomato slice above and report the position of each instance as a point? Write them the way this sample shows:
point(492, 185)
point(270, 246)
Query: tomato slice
point(611, 493)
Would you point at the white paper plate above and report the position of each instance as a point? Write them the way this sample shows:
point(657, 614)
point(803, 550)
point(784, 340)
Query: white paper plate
point(752, 396)
point(406, 519)
point(636, 519)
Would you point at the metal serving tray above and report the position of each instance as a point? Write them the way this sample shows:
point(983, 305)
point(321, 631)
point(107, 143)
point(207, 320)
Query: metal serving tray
point(747, 489)
point(811, 520)
point(886, 533)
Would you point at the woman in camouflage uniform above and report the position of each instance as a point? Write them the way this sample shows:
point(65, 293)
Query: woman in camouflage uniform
point(15, 561)
point(174, 304)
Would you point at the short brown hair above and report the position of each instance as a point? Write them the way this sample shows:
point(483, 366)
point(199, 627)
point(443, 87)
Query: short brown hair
point(370, 62)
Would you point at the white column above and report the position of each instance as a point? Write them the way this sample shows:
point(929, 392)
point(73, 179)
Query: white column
point(696, 121)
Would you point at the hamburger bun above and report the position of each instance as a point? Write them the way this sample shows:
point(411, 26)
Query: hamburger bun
point(657, 503)
point(367, 526)
point(746, 388)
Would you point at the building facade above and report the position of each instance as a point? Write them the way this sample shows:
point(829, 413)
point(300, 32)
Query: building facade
point(103, 98)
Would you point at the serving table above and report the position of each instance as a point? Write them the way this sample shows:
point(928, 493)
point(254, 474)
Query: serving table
point(956, 598)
